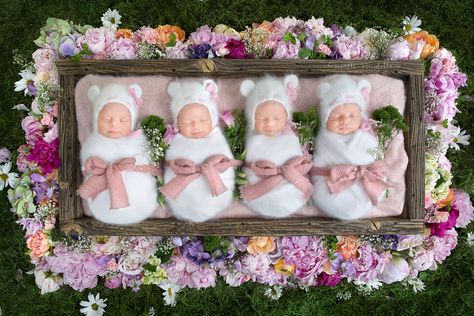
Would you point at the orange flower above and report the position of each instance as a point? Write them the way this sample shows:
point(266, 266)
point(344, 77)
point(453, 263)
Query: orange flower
point(261, 245)
point(447, 200)
point(38, 244)
point(431, 42)
point(125, 33)
point(265, 25)
point(347, 246)
point(164, 32)
point(281, 268)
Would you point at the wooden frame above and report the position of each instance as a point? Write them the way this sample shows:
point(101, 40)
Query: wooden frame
point(72, 219)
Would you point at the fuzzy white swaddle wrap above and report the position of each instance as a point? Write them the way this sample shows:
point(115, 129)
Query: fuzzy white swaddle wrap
point(357, 148)
point(196, 202)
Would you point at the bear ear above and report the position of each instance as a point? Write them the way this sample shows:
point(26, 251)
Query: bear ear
point(93, 92)
point(174, 88)
point(291, 80)
point(291, 86)
point(211, 87)
point(246, 87)
point(365, 88)
point(137, 89)
point(322, 89)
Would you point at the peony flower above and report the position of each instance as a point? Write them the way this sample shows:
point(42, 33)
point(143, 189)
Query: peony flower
point(261, 245)
point(462, 203)
point(395, 270)
point(111, 19)
point(442, 246)
point(52, 134)
point(123, 48)
point(431, 43)
point(94, 306)
point(329, 279)
point(38, 243)
point(131, 263)
point(32, 128)
point(44, 59)
point(316, 27)
point(47, 282)
point(123, 33)
point(98, 40)
point(398, 50)
point(202, 35)
point(113, 282)
point(365, 268)
point(203, 277)
point(348, 246)
point(164, 32)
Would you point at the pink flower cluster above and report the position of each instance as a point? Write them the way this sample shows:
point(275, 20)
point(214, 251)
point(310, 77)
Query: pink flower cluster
point(185, 272)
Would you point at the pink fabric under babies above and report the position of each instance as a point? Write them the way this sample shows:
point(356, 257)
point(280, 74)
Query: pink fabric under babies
point(385, 91)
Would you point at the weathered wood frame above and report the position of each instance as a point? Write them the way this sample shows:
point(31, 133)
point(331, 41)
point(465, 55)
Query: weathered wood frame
point(72, 219)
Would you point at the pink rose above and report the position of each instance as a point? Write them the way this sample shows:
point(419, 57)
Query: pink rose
point(323, 48)
point(32, 128)
point(146, 34)
point(47, 119)
point(131, 263)
point(123, 48)
point(38, 244)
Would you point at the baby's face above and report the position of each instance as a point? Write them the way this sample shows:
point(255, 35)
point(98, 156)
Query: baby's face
point(114, 120)
point(194, 121)
point(344, 119)
point(270, 118)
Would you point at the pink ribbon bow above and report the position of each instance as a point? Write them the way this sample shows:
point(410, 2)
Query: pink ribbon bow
point(187, 171)
point(294, 171)
point(341, 177)
point(108, 176)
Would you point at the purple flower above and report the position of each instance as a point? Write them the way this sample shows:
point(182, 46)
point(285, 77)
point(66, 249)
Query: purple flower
point(287, 50)
point(200, 51)
point(240, 243)
point(336, 31)
point(68, 46)
point(237, 50)
point(329, 279)
point(203, 35)
point(31, 225)
point(462, 203)
point(179, 51)
point(43, 189)
point(123, 48)
point(366, 266)
point(307, 253)
point(5, 155)
point(194, 250)
point(45, 155)
point(31, 88)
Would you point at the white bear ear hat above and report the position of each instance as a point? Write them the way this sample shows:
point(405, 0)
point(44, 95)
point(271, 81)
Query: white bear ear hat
point(129, 96)
point(269, 88)
point(184, 92)
point(339, 90)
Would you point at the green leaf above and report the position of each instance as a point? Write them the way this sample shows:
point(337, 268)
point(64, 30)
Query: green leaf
point(305, 53)
point(149, 267)
point(445, 123)
point(172, 41)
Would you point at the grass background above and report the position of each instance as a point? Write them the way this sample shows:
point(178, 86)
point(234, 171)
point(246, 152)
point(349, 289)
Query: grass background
point(449, 289)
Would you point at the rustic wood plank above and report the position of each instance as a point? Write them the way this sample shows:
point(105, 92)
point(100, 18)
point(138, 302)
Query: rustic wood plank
point(68, 150)
point(237, 67)
point(247, 227)
point(415, 148)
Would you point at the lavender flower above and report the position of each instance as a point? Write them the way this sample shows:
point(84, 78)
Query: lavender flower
point(5, 155)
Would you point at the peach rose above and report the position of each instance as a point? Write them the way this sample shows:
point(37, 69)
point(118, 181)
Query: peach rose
point(347, 246)
point(281, 268)
point(261, 245)
point(431, 42)
point(447, 200)
point(265, 25)
point(38, 244)
point(123, 33)
point(164, 32)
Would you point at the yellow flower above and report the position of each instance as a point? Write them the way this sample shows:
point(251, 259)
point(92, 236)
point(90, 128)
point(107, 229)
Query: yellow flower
point(281, 268)
point(261, 245)
point(431, 42)
point(224, 29)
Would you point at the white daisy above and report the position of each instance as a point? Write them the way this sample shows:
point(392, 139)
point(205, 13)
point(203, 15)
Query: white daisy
point(111, 19)
point(417, 284)
point(470, 239)
point(169, 294)
point(459, 137)
point(27, 77)
point(20, 107)
point(411, 24)
point(7, 178)
point(94, 307)
point(274, 292)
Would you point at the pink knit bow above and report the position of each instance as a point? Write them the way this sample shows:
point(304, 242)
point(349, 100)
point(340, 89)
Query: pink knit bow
point(341, 177)
point(187, 171)
point(294, 171)
point(108, 176)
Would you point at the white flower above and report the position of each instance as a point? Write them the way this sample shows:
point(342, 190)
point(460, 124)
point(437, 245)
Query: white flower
point(274, 292)
point(7, 178)
point(20, 107)
point(94, 307)
point(417, 284)
point(411, 24)
point(111, 19)
point(27, 77)
point(459, 137)
point(470, 239)
point(169, 294)
point(350, 31)
point(46, 283)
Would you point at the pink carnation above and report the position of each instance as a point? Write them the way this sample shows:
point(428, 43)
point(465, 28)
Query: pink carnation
point(462, 203)
point(97, 39)
point(123, 48)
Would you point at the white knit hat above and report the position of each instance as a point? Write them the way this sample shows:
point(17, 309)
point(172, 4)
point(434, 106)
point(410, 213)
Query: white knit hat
point(269, 88)
point(184, 92)
point(129, 96)
point(339, 90)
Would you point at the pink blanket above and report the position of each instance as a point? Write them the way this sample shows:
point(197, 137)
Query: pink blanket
point(385, 91)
